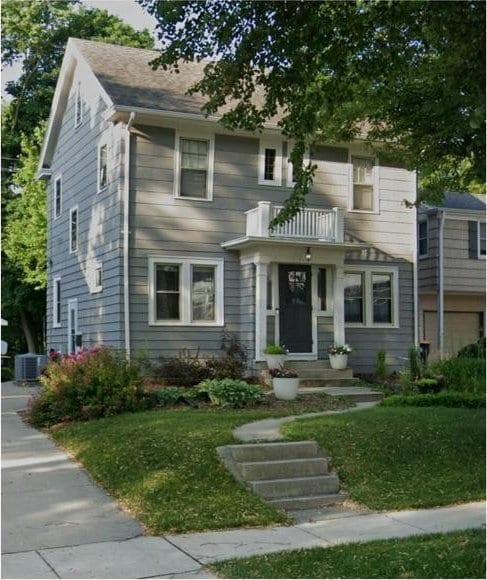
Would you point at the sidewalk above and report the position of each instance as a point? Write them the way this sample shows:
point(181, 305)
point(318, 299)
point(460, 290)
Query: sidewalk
point(57, 524)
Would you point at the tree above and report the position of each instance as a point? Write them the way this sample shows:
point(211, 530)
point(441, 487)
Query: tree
point(35, 32)
point(411, 75)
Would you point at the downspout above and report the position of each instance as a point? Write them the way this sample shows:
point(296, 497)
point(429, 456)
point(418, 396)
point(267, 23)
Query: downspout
point(126, 212)
point(440, 297)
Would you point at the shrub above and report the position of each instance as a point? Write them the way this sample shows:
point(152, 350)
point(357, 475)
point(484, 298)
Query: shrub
point(7, 374)
point(380, 365)
point(234, 362)
point(185, 370)
point(475, 350)
point(445, 399)
point(92, 383)
point(414, 362)
point(461, 374)
point(230, 393)
point(167, 396)
point(275, 349)
point(428, 385)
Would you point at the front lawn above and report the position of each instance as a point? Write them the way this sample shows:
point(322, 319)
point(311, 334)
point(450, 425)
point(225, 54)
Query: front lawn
point(454, 555)
point(398, 458)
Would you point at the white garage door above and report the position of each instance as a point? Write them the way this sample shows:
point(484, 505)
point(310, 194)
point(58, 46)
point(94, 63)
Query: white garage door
point(461, 328)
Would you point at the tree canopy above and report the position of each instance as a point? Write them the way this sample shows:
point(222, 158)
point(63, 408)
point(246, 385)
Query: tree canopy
point(409, 76)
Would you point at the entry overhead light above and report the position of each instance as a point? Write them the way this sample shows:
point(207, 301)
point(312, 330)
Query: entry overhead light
point(308, 254)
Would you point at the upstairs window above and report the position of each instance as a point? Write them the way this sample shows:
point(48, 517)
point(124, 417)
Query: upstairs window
point(194, 168)
point(56, 303)
point(423, 238)
point(482, 239)
point(58, 195)
point(102, 166)
point(270, 163)
point(78, 107)
point(73, 229)
point(363, 187)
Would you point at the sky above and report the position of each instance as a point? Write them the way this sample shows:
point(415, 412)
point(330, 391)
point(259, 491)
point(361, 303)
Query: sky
point(127, 10)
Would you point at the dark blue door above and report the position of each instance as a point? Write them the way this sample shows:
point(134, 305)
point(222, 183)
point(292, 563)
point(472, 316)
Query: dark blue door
point(295, 316)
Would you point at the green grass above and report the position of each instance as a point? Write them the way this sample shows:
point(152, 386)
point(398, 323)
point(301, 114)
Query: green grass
point(454, 555)
point(163, 466)
point(397, 458)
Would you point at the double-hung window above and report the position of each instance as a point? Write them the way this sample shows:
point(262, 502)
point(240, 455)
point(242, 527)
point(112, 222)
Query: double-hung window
point(371, 297)
point(73, 229)
point(423, 238)
point(270, 163)
point(102, 166)
point(58, 196)
point(185, 291)
point(56, 303)
point(194, 168)
point(363, 194)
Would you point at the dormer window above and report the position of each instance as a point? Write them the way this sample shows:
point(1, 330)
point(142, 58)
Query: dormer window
point(78, 108)
point(270, 163)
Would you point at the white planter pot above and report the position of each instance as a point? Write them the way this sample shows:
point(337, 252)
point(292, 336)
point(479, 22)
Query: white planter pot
point(338, 361)
point(285, 389)
point(275, 361)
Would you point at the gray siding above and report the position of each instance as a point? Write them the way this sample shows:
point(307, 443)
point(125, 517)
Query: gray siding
point(428, 265)
point(99, 224)
point(164, 226)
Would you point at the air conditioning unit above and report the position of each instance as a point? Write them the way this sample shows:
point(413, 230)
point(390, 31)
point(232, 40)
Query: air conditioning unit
point(28, 367)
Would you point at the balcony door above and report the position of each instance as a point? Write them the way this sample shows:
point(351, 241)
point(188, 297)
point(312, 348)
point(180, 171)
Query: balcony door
point(295, 308)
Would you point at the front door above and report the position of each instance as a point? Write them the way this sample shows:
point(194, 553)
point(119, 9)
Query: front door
point(295, 317)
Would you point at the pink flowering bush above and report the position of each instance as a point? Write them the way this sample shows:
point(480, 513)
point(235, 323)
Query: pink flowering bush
point(92, 383)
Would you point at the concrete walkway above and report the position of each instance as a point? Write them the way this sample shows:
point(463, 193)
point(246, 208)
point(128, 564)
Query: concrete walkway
point(57, 524)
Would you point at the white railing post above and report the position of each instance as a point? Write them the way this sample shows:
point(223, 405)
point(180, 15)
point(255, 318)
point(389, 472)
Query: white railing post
point(264, 218)
point(338, 224)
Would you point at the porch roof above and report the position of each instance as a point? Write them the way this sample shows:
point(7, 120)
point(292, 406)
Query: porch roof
point(247, 242)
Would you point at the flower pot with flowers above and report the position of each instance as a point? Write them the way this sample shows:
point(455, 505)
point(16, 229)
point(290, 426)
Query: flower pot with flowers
point(285, 383)
point(338, 354)
point(275, 355)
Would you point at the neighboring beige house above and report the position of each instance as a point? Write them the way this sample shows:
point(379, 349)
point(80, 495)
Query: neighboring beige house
point(451, 258)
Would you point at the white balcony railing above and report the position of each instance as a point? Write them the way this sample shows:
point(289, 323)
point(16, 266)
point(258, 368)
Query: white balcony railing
point(310, 223)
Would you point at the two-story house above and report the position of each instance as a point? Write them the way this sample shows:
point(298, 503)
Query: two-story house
point(159, 233)
point(451, 251)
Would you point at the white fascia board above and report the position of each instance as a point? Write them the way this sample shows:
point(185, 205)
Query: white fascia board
point(72, 58)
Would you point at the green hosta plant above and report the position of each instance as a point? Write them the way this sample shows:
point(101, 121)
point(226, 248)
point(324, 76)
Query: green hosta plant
point(275, 349)
point(230, 393)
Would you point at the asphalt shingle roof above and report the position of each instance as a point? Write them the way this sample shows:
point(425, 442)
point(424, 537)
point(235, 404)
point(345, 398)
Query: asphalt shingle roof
point(468, 201)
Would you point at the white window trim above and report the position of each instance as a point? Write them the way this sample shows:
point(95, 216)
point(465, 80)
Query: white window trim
point(71, 211)
point(270, 144)
point(55, 299)
point(424, 221)
point(480, 256)
point(78, 101)
point(289, 172)
point(95, 288)
point(368, 294)
point(210, 137)
point(99, 188)
point(185, 284)
point(72, 305)
point(59, 178)
point(375, 180)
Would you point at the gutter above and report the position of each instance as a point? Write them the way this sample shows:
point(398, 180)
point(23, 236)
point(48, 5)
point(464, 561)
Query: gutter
point(440, 296)
point(126, 211)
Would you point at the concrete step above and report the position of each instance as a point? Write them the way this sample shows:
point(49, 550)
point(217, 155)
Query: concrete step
point(325, 382)
point(308, 502)
point(313, 372)
point(266, 470)
point(304, 364)
point(296, 486)
point(274, 451)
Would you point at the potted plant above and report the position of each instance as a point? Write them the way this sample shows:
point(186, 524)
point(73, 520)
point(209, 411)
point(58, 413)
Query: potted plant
point(275, 356)
point(338, 354)
point(285, 383)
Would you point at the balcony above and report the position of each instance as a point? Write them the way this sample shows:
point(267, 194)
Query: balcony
point(322, 225)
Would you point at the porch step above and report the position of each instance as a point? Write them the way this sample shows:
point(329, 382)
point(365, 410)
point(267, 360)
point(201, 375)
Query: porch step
point(326, 382)
point(312, 372)
point(305, 364)
point(292, 475)
point(355, 394)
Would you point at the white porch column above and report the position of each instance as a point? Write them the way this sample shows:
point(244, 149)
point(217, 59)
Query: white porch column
point(339, 306)
point(261, 270)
